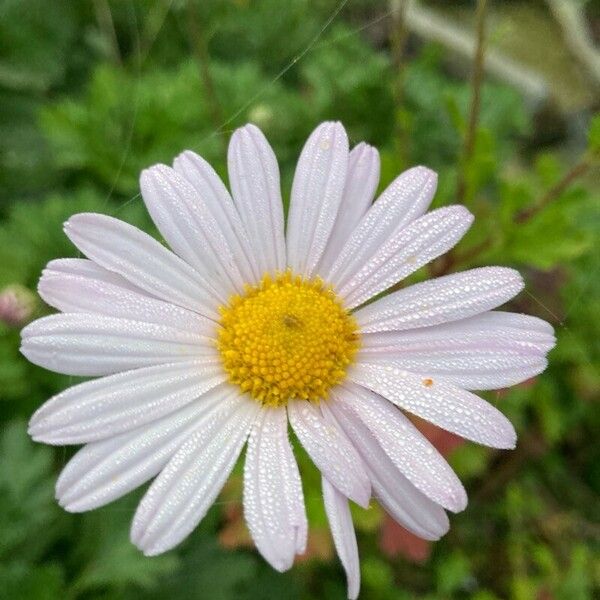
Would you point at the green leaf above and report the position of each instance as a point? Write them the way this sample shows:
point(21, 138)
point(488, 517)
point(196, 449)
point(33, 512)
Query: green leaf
point(108, 557)
point(453, 574)
point(27, 504)
point(207, 571)
point(123, 124)
point(22, 581)
point(35, 66)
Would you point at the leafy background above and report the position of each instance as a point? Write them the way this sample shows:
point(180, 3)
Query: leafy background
point(93, 91)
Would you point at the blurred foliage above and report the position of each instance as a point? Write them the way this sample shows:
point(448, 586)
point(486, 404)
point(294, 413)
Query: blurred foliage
point(93, 92)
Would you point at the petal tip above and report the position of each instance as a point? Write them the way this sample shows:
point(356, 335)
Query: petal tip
point(72, 507)
point(458, 501)
point(35, 426)
point(152, 551)
point(510, 440)
point(425, 171)
point(362, 497)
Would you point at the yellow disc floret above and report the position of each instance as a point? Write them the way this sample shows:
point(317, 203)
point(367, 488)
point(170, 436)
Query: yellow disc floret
point(287, 337)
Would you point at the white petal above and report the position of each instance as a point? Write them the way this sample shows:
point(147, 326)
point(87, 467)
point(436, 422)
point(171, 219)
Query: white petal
point(273, 498)
point(440, 402)
point(398, 496)
point(406, 447)
point(361, 183)
point(124, 249)
point(418, 243)
point(181, 495)
point(108, 469)
point(88, 269)
point(254, 180)
point(342, 531)
point(404, 200)
point(330, 450)
point(491, 330)
point(186, 223)
point(83, 344)
point(75, 293)
point(111, 405)
point(447, 298)
point(218, 202)
point(316, 196)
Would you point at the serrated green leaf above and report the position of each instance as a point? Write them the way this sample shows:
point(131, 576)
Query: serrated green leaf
point(27, 504)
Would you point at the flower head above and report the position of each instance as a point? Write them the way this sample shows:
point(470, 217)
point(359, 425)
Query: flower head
point(241, 328)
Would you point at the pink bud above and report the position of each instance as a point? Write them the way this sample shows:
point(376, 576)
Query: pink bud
point(17, 304)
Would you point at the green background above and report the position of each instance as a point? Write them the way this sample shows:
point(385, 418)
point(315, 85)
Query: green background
point(91, 92)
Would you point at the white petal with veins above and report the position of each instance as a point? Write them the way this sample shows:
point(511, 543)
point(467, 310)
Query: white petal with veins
point(330, 450)
point(180, 496)
point(273, 498)
point(417, 244)
point(254, 179)
point(439, 402)
point(316, 196)
point(110, 405)
point(108, 469)
point(398, 496)
point(403, 201)
point(85, 344)
point(342, 531)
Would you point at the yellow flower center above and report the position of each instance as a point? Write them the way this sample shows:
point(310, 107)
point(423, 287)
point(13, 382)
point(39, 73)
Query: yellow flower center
point(286, 338)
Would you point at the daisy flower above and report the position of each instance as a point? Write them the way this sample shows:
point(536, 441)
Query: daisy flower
point(247, 324)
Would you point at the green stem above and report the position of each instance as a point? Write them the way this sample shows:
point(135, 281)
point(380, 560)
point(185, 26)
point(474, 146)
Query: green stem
point(200, 49)
point(107, 26)
point(555, 191)
point(476, 81)
point(398, 38)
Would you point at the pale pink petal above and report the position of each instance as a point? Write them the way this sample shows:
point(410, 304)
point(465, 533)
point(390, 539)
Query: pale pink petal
point(218, 202)
point(71, 293)
point(84, 344)
point(342, 531)
point(403, 201)
point(406, 447)
point(254, 180)
point(185, 221)
point(468, 369)
point(417, 244)
point(448, 298)
point(316, 196)
point(488, 351)
point(181, 495)
point(273, 498)
point(361, 183)
point(439, 402)
point(330, 450)
point(398, 496)
point(111, 405)
point(108, 469)
point(139, 258)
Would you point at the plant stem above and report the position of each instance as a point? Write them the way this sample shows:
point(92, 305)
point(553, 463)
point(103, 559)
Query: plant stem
point(555, 191)
point(200, 49)
point(531, 447)
point(153, 23)
point(107, 25)
point(476, 81)
point(473, 252)
point(398, 39)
